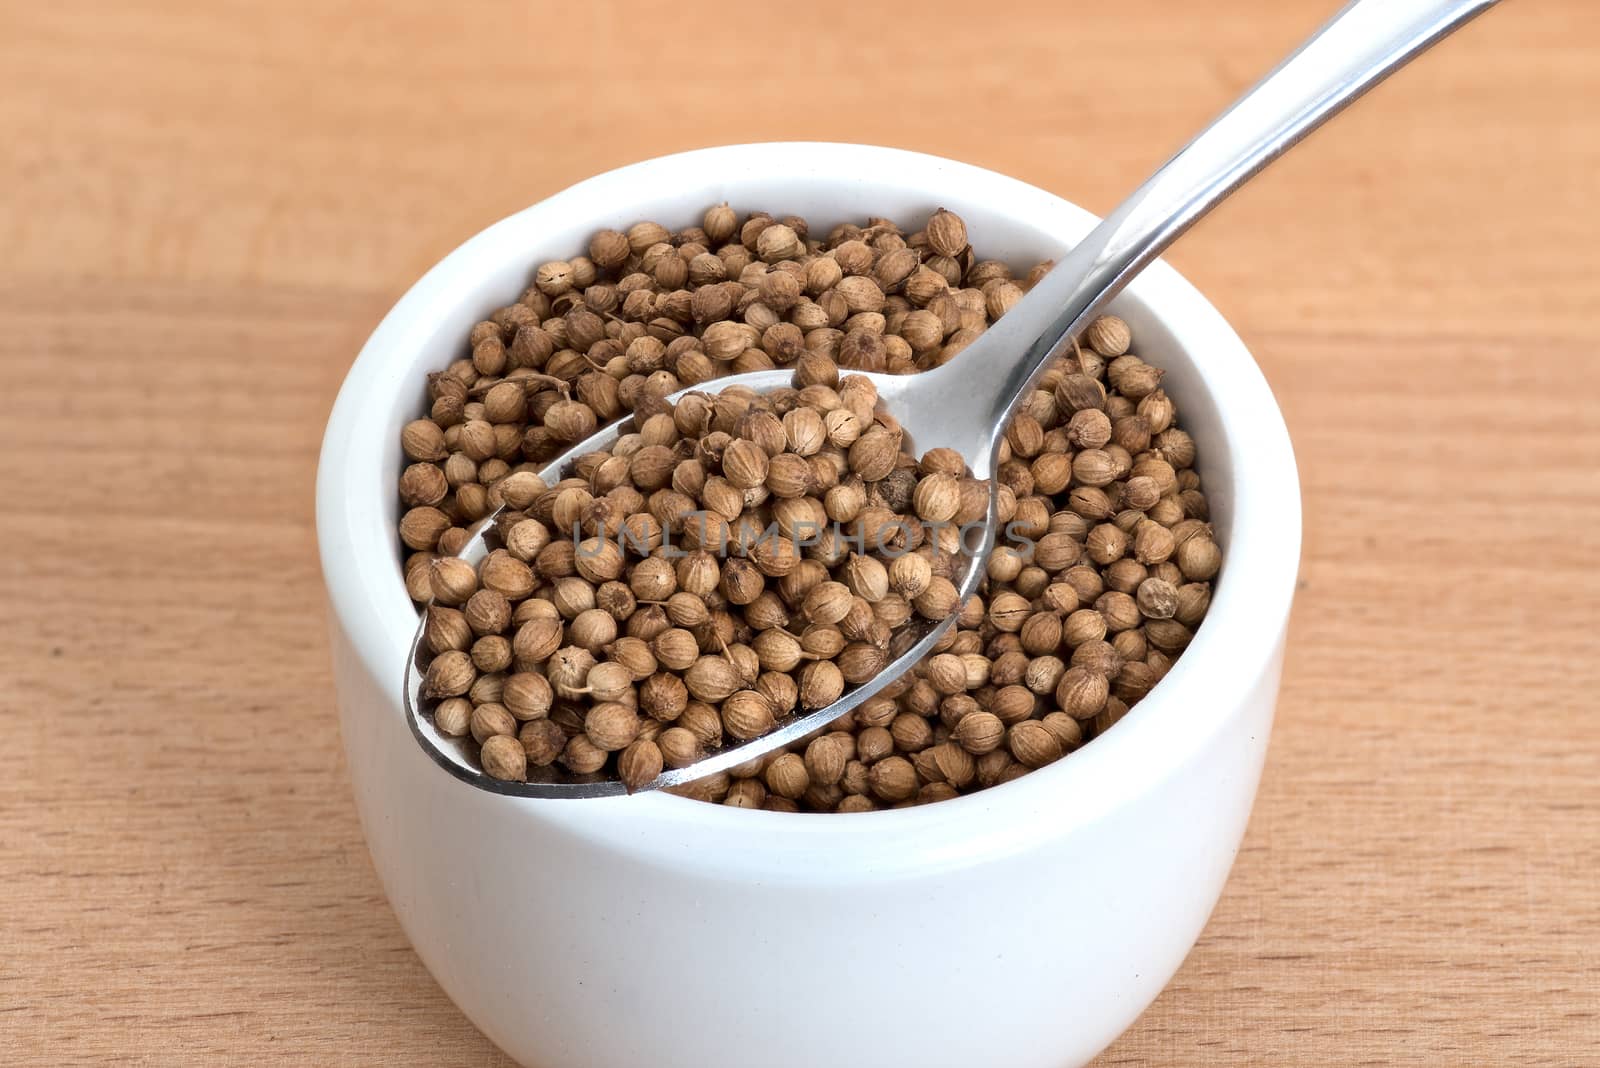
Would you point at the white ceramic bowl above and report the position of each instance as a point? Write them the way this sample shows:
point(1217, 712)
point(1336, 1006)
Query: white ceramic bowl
point(1024, 926)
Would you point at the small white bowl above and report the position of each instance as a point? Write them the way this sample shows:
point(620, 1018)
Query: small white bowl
point(1023, 926)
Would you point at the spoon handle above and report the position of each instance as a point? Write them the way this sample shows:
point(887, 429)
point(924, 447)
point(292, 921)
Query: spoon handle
point(1354, 51)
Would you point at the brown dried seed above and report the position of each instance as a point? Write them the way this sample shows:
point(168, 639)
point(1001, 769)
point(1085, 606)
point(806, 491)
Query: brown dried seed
point(1081, 693)
point(947, 233)
point(1108, 335)
point(503, 757)
point(747, 714)
point(893, 779)
point(490, 719)
point(1199, 558)
point(787, 776)
point(542, 740)
point(1033, 744)
point(821, 684)
point(611, 726)
point(979, 732)
point(453, 716)
point(420, 527)
point(639, 764)
point(825, 760)
point(450, 674)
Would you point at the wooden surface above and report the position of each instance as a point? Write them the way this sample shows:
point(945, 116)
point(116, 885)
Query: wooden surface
point(205, 207)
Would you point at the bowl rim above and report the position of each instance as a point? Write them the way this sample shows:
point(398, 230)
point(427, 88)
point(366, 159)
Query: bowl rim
point(1236, 646)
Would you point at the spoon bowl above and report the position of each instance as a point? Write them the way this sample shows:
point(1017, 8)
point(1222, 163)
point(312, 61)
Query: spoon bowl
point(920, 403)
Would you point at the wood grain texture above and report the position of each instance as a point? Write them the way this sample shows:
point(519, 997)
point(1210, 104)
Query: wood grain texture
point(207, 206)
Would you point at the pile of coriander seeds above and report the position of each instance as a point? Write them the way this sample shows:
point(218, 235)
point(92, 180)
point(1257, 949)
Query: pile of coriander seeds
point(610, 636)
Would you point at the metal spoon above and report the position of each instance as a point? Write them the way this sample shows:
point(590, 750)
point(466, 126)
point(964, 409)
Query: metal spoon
point(966, 404)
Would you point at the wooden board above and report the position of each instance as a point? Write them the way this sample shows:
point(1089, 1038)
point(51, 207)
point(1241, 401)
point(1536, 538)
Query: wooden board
point(206, 207)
